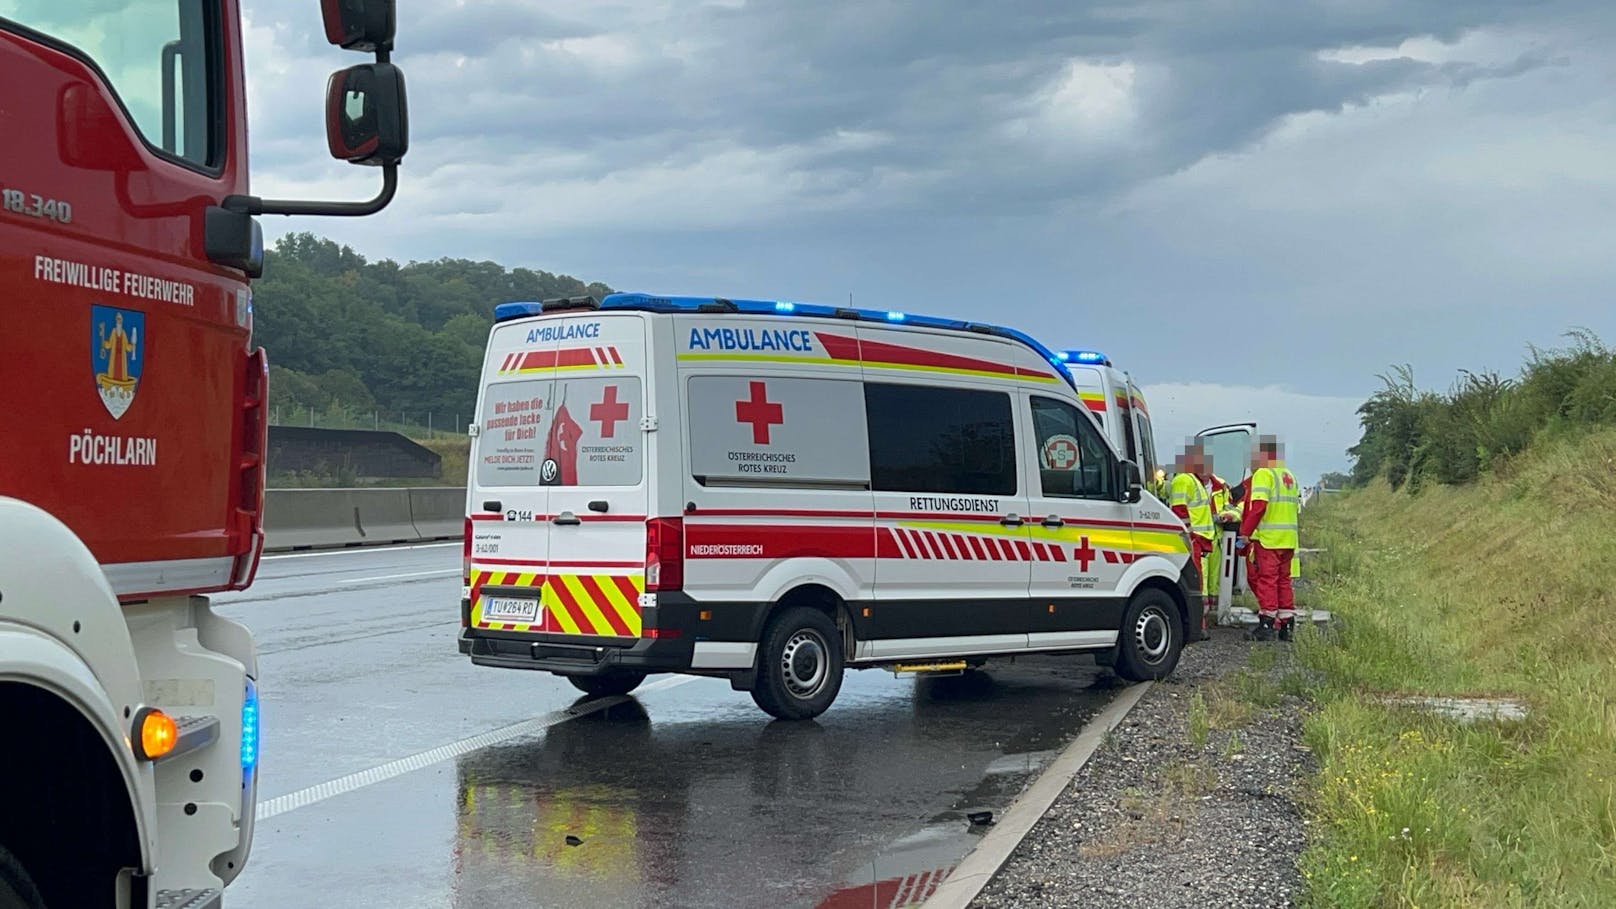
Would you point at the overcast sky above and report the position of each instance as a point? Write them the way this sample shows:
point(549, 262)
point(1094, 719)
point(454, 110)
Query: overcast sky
point(1254, 207)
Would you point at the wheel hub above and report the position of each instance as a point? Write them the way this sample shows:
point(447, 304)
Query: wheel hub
point(1152, 635)
point(804, 663)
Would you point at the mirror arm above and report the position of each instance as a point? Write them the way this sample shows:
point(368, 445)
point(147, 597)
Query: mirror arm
point(253, 205)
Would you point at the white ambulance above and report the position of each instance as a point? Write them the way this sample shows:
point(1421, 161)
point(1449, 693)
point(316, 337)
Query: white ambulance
point(771, 492)
point(1117, 403)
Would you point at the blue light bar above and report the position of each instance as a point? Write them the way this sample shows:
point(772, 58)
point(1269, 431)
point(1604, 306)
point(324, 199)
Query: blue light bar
point(249, 730)
point(668, 304)
point(505, 312)
point(1086, 357)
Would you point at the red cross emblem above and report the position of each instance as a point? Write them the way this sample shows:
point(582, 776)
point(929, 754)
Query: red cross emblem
point(1084, 554)
point(608, 412)
point(1060, 453)
point(760, 412)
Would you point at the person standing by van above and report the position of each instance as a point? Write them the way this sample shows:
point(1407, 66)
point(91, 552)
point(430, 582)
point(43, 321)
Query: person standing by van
point(1188, 499)
point(1270, 529)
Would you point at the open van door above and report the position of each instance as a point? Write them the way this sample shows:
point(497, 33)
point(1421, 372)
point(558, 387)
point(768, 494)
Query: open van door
point(1231, 448)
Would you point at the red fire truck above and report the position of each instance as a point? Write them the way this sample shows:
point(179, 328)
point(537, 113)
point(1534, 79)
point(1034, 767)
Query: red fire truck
point(132, 427)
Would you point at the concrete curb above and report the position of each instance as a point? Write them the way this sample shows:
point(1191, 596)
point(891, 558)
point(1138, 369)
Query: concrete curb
point(974, 872)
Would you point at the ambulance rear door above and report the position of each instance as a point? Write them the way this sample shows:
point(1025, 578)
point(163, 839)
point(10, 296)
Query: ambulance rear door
point(595, 471)
point(1231, 448)
point(508, 508)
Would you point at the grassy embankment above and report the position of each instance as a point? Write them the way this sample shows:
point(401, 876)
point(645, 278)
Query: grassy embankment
point(1499, 587)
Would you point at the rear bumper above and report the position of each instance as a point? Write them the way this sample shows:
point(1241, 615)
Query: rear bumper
point(643, 655)
point(723, 637)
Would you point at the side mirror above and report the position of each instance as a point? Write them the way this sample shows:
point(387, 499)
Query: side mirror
point(359, 25)
point(1131, 483)
point(366, 117)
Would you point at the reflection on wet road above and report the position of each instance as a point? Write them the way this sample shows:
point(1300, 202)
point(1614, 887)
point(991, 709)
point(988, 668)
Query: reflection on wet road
point(686, 795)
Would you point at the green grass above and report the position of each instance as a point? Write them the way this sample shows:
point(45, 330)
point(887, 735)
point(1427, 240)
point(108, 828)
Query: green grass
point(1502, 587)
point(1200, 721)
point(455, 452)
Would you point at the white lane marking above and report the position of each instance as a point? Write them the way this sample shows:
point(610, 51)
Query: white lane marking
point(445, 572)
point(355, 550)
point(381, 773)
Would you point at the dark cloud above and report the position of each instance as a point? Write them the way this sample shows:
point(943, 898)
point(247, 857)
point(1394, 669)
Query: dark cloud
point(940, 80)
point(1151, 177)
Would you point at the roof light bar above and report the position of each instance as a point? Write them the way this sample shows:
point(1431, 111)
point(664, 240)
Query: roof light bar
point(1086, 357)
point(670, 304)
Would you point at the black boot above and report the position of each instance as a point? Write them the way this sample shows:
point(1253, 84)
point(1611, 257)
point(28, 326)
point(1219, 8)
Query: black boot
point(1285, 629)
point(1264, 630)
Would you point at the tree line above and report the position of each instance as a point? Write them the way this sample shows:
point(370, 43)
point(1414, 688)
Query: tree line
point(1412, 437)
point(349, 338)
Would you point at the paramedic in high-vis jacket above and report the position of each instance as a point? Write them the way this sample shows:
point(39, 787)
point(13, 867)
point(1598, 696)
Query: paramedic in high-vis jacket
point(1188, 498)
point(1269, 529)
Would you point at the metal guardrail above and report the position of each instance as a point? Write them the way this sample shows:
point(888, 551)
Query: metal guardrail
point(335, 518)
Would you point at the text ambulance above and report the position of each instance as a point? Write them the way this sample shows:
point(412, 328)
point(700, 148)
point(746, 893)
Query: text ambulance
point(770, 492)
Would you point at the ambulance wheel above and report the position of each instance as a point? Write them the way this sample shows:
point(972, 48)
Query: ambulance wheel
point(799, 665)
point(17, 890)
point(619, 682)
point(1151, 637)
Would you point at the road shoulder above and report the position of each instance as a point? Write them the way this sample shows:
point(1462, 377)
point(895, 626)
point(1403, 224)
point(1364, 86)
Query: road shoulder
point(1191, 801)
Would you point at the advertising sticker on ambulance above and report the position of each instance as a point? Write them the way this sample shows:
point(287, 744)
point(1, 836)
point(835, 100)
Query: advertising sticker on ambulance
point(762, 429)
point(1060, 453)
point(561, 432)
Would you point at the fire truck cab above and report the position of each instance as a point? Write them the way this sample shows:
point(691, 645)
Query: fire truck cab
point(131, 448)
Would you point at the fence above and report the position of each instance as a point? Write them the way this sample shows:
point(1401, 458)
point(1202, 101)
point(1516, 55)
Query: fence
point(416, 424)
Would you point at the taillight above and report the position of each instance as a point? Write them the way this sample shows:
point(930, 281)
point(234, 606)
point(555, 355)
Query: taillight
point(664, 554)
point(465, 555)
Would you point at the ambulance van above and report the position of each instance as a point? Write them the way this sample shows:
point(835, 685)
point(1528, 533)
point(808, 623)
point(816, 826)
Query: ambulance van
point(1118, 404)
point(771, 492)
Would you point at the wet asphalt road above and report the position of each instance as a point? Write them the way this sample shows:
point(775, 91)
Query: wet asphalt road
point(396, 774)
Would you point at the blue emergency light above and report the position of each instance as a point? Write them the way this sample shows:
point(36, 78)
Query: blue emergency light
point(1085, 357)
point(505, 312)
point(249, 730)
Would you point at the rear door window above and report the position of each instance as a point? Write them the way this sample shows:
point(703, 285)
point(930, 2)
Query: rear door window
point(593, 434)
point(510, 439)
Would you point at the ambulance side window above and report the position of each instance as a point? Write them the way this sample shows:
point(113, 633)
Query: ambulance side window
point(929, 439)
point(1073, 459)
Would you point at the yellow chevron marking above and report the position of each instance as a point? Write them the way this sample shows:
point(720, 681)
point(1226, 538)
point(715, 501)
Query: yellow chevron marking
point(591, 609)
point(563, 618)
point(615, 599)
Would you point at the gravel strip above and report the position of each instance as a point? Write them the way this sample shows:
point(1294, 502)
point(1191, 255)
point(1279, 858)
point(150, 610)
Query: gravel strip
point(1153, 821)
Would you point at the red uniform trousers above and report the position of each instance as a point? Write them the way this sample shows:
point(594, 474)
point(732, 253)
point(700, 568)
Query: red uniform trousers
point(1270, 575)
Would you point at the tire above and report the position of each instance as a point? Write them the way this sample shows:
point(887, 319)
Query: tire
point(17, 890)
point(799, 665)
point(1151, 637)
point(619, 682)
